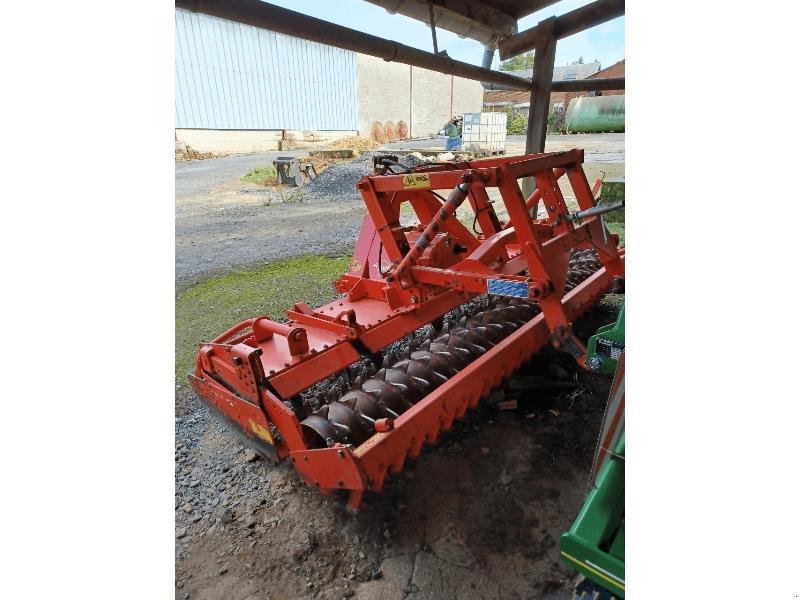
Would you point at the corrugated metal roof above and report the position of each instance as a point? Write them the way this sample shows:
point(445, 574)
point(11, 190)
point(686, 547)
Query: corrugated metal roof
point(520, 8)
point(234, 76)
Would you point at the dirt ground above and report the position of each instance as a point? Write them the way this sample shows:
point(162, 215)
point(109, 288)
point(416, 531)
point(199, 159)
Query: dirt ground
point(477, 516)
point(222, 222)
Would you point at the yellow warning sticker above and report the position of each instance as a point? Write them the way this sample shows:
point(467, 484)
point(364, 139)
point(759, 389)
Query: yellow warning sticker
point(262, 432)
point(417, 180)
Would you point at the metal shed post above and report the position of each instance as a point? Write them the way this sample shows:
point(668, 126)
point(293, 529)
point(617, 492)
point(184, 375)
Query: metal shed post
point(541, 85)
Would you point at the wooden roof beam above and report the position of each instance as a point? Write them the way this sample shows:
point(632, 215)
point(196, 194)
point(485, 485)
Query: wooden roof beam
point(589, 85)
point(468, 18)
point(566, 25)
point(527, 7)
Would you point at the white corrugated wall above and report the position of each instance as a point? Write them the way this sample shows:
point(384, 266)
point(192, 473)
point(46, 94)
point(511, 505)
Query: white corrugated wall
point(234, 76)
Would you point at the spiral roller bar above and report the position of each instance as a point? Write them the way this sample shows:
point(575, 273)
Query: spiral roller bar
point(402, 382)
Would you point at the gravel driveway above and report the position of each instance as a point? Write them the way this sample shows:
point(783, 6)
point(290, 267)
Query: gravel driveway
point(221, 222)
point(199, 177)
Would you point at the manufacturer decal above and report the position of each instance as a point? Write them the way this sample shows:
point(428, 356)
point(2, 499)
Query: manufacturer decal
point(417, 180)
point(262, 432)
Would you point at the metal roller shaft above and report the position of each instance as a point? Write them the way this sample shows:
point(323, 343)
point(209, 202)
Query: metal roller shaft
point(403, 382)
point(582, 264)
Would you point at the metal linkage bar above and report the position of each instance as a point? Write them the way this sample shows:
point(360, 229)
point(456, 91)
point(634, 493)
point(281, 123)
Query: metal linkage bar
point(597, 210)
point(454, 200)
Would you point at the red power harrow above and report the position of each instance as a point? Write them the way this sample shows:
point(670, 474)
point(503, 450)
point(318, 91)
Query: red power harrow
point(540, 275)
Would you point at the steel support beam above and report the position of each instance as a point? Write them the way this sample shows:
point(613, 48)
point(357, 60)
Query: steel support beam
point(541, 85)
point(576, 85)
point(268, 16)
point(589, 85)
point(566, 25)
point(433, 27)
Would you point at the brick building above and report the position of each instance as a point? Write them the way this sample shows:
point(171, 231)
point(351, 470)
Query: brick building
point(520, 100)
point(559, 101)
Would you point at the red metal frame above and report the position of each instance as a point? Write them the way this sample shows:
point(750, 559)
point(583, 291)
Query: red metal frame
point(250, 372)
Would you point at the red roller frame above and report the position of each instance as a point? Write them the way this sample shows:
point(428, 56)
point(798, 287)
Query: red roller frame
point(250, 373)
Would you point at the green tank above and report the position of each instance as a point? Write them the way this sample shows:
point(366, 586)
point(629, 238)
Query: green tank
point(595, 114)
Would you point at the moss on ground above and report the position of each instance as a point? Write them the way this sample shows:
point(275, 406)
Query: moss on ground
point(262, 176)
point(205, 309)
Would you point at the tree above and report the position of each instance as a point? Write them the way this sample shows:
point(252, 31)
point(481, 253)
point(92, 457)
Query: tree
point(579, 61)
point(516, 123)
point(518, 63)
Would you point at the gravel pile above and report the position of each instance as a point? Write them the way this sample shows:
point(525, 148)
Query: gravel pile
point(214, 486)
point(240, 518)
point(338, 182)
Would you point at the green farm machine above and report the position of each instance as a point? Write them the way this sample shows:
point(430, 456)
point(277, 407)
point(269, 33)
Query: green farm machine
point(595, 544)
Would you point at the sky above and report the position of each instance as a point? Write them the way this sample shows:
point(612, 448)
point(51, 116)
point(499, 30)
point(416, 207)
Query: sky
point(605, 42)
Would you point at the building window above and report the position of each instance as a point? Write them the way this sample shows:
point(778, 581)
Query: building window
point(557, 107)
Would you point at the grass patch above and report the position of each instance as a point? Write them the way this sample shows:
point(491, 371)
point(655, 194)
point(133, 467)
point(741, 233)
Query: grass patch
point(204, 310)
point(619, 229)
point(262, 176)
